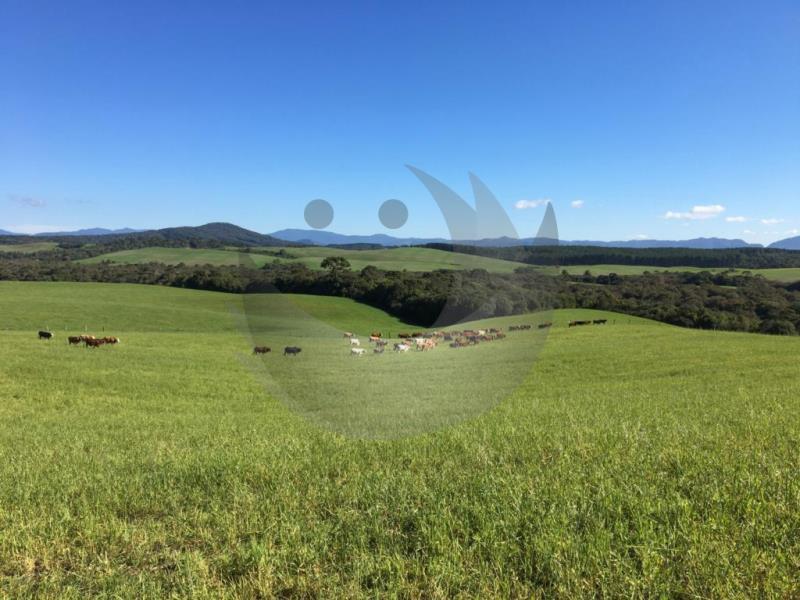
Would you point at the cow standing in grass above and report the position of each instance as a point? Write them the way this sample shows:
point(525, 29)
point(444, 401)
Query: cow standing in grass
point(261, 350)
point(292, 351)
point(45, 335)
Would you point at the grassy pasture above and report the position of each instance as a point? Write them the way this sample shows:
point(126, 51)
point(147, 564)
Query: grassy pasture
point(785, 275)
point(28, 248)
point(634, 459)
point(410, 259)
point(398, 259)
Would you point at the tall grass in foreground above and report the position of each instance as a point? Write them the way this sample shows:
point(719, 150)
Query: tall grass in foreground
point(636, 460)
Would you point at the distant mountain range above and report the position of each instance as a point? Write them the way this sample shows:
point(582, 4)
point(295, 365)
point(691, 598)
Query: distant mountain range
point(327, 238)
point(224, 233)
point(228, 233)
point(92, 231)
point(787, 244)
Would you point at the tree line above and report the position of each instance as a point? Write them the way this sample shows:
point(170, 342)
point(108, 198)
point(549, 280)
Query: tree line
point(724, 301)
point(739, 258)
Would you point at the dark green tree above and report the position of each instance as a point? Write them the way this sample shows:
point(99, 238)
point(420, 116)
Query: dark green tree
point(335, 264)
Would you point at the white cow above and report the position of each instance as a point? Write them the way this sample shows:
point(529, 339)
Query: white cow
point(401, 347)
point(357, 351)
point(355, 342)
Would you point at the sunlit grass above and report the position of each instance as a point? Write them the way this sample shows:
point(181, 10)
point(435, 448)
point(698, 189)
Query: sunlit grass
point(634, 460)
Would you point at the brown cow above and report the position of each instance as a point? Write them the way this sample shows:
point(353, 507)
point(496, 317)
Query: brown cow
point(110, 340)
point(261, 350)
point(74, 340)
point(94, 343)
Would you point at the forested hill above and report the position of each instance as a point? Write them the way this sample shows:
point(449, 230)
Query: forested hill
point(738, 258)
point(208, 235)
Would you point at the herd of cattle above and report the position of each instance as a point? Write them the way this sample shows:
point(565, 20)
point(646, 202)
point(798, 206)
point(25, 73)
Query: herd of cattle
point(592, 322)
point(421, 341)
point(424, 341)
point(89, 340)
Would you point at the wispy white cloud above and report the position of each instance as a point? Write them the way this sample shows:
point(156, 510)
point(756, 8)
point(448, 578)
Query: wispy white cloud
point(698, 212)
point(525, 204)
point(771, 221)
point(641, 236)
point(28, 201)
point(793, 232)
point(577, 203)
point(736, 219)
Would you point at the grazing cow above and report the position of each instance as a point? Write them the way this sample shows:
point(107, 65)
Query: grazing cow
point(426, 345)
point(355, 342)
point(404, 336)
point(347, 334)
point(94, 343)
point(381, 343)
point(376, 334)
point(292, 350)
point(577, 323)
point(261, 350)
point(357, 351)
point(85, 337)
point(45, 335)
point(545, 325)
point(111, 340)
point(401, 347)
point(600, 321)
point(74, 340)
point(379, 349)
point(375, 338)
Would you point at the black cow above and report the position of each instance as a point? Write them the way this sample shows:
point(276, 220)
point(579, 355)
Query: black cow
point(292, 350)
point(45, 335)
point(600, 321)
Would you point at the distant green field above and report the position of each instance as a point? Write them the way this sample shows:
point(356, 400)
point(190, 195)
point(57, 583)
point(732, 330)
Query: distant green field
point(28, 248)
point(634, 459)
point(189, 256)
point(410, 259)
point(786, 275)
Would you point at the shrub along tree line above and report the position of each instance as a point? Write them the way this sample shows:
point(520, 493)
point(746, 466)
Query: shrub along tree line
point(725, 301)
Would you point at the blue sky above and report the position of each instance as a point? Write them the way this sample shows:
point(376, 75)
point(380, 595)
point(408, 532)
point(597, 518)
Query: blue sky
point(668, 120)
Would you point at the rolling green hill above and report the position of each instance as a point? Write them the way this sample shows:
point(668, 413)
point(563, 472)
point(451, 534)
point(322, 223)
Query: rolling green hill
point(410, 259)
point(27, 247)
point(631, 459)
point(785, 275)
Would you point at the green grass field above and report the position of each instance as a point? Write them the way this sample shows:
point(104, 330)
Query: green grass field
point(633, 459)
point(410, 259)
point(398, 259)
point(28, 248)
point(784, 275)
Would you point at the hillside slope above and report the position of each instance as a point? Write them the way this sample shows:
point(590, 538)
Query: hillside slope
point(624, 465)
point(398, 259)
